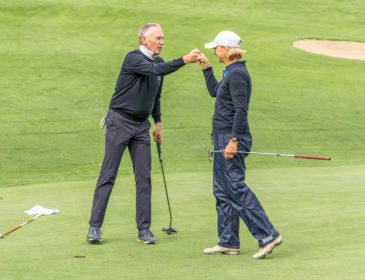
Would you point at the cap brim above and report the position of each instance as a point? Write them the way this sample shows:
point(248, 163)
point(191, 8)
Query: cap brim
point(210, 45)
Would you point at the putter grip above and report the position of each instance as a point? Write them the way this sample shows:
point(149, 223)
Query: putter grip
point(312, 157)
point(159, 149)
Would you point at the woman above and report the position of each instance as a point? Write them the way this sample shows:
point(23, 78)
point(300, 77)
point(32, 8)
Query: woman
point(231, 132)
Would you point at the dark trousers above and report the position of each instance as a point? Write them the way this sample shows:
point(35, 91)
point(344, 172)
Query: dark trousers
point(120, 133)
point(234, 199)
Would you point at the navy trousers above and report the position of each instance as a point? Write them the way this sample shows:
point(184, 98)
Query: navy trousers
point(234, 199)
point(120, 133)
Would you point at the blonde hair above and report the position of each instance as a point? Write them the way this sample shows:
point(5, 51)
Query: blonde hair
point(234, 53)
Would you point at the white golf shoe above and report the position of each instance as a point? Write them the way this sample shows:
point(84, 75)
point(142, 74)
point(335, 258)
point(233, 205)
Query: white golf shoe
point(265, 251)
point(219, 250)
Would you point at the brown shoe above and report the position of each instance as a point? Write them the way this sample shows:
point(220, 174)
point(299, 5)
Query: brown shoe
point(265, 251)
point(219, 250)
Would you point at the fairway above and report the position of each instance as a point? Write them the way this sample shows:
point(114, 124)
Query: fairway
point(320, 220)
point(59, 61)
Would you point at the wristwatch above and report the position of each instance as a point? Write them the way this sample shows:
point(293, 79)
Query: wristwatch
point(234, 139)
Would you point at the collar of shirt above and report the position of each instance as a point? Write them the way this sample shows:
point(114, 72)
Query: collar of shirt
point(232, 65)
point(146, 52)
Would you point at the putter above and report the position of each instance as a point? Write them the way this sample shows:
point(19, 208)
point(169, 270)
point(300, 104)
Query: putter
point(168, 230)
point(211, 153)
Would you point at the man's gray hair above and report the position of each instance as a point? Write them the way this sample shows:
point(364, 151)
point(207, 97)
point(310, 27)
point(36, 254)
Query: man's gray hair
point(145, 30)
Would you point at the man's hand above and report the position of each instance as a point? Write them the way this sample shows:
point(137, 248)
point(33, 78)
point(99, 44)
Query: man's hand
point(231, 149)
point(203, 60)
point(191, 56)
point(157, 133)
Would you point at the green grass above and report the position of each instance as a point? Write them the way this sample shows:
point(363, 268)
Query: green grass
point(319, 212)
point(59, 61)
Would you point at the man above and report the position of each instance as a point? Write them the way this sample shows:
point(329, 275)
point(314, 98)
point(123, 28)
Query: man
point(137, 96)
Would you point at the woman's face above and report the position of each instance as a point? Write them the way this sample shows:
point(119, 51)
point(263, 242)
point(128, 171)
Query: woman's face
point(220, 52)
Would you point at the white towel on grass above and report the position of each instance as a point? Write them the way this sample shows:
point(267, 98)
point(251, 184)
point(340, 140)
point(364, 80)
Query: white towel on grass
point(39, 210)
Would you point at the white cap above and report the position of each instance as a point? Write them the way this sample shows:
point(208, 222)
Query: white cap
point(226, 39)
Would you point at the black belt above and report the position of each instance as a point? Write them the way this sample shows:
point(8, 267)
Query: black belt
point(120, 112)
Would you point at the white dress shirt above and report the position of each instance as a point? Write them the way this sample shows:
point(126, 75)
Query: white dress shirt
point(146, 52)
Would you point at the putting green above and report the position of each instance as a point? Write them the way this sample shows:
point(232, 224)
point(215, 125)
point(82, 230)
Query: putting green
point(319, 212)
point(59, 61)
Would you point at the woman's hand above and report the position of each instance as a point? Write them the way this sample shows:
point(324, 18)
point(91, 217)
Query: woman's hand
point(203, 60)
point(231, 149)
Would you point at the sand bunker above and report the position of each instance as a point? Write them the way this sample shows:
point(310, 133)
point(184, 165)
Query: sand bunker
point(342, 49)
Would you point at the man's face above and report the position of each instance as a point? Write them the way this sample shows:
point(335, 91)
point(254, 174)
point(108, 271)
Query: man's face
point(154, 41)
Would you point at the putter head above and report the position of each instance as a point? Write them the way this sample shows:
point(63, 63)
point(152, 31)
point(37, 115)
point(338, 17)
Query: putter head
point(1, 236)
point(211, 152)
point(169, 230)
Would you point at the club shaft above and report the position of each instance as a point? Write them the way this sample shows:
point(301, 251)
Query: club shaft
point(167, 194)
point(281, 155)
point(164, 180)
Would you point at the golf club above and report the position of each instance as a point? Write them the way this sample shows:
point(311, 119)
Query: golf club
point(211, 153)
point(168, 230)
point(23, 224)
